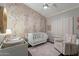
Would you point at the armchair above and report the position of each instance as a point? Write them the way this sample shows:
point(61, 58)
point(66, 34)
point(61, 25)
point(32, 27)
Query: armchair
point(66, 44)
point(37, 38)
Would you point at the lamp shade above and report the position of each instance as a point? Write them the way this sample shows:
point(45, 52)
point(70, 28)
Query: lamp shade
point(8, 31)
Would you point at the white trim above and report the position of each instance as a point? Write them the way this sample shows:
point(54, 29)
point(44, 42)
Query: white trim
point(63, 11)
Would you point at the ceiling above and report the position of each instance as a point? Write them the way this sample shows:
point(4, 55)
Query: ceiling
point(54, 8)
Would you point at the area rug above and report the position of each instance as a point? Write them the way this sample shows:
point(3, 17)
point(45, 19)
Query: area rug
point(46, 49)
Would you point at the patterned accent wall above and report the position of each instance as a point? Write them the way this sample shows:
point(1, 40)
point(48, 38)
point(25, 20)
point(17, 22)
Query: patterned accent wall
point(22, 19)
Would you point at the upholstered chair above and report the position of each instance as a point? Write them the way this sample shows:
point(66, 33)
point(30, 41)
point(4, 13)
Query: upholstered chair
point(37, 38)
point(66, 44)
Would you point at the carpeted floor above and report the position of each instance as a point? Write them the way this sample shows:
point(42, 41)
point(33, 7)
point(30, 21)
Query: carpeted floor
point(46, 49)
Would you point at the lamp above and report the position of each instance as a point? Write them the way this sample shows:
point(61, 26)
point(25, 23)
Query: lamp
point(7, 34)
point(8, 31)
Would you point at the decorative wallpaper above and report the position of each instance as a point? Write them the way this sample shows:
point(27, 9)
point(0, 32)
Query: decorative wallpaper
point(22, 19)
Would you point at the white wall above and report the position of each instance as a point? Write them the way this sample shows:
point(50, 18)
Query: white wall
point(22, 19)
point(62, 23)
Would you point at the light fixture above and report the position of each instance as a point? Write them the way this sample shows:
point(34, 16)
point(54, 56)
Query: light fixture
point(8, 31)
point(45, 6)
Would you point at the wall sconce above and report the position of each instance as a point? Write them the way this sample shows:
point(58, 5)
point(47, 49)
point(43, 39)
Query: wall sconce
point(45, 6)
